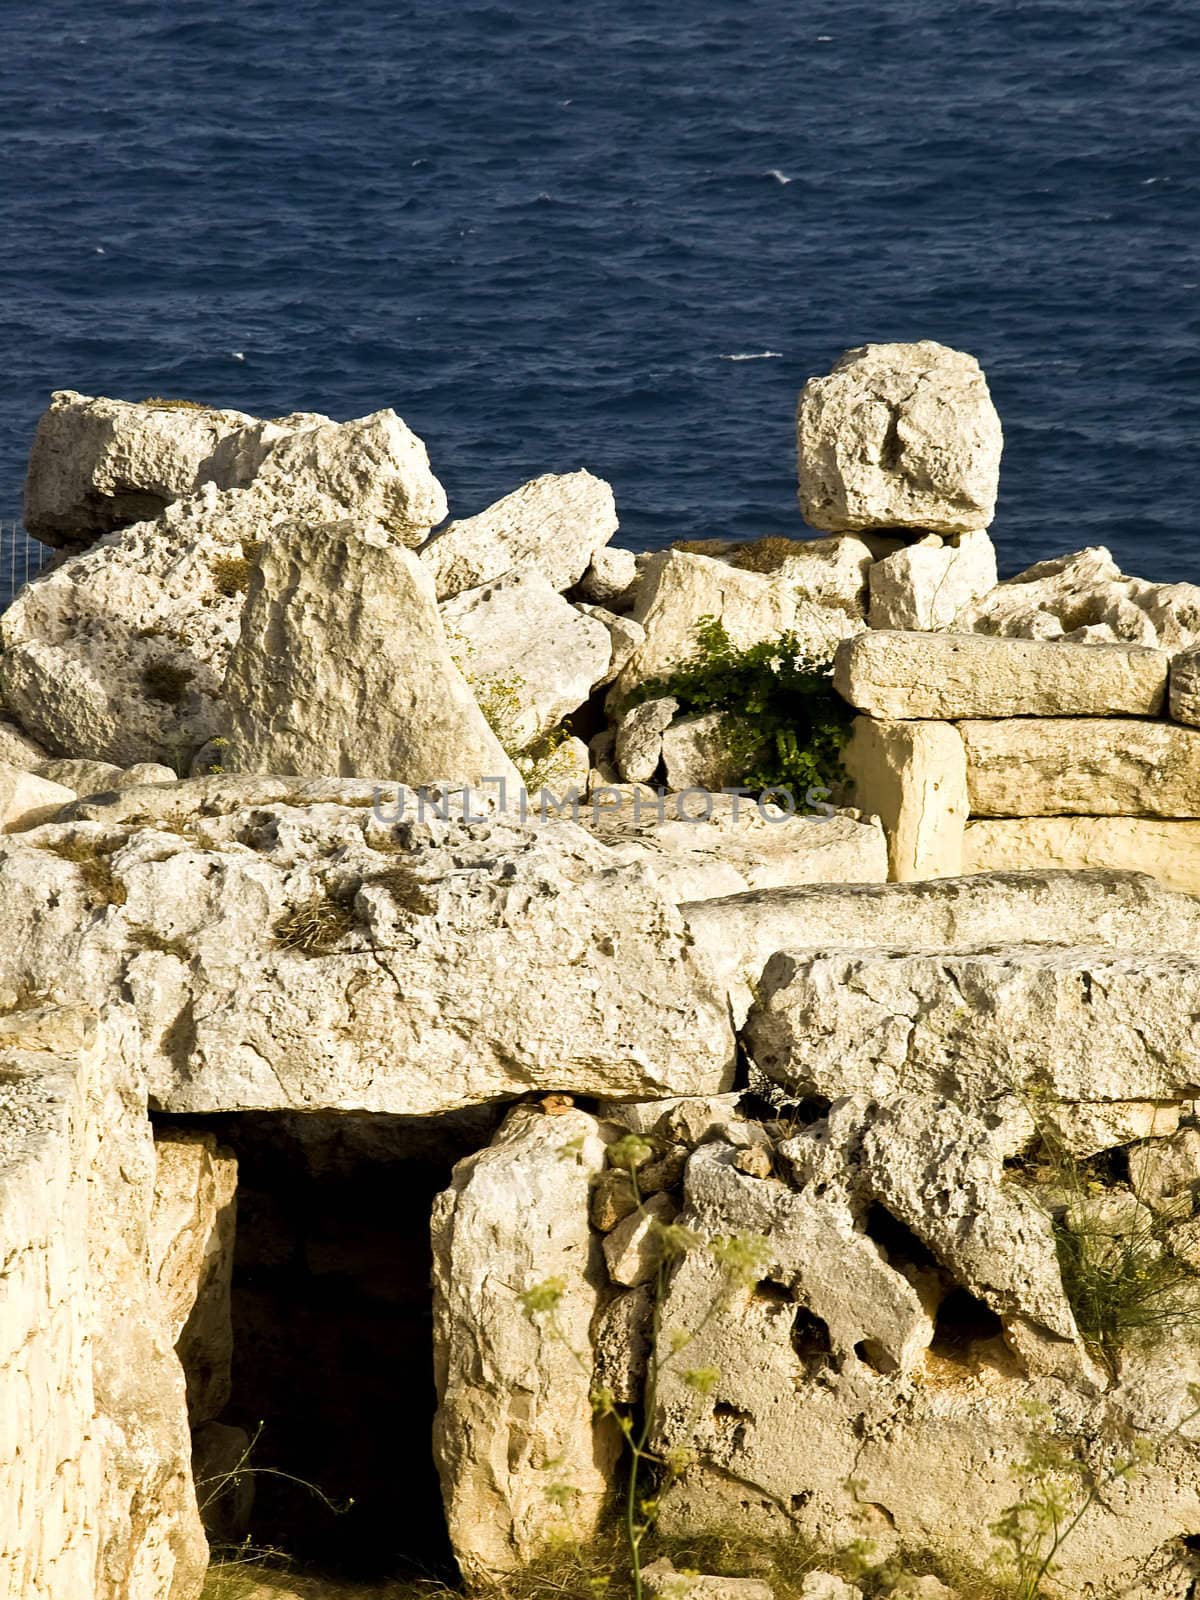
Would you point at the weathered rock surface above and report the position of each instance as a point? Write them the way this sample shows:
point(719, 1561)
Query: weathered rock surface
point(1086, 598)
point(96, 777)
point(343, 667)
point(899, 436)
point(96, 1498)
point(100, 464)
point(1184, 690)
point(988, 1023)
point(310, 956)
point(1120, 911)
point(967, 675)
point(697, 753)
point(610, 578)
point(737, 845)
point(375, 468)
point(1168, 850)
point(639, 738)
point(927, 585)
point(1031, 766)
point(119, 654)
point(677, 589)
point(913, 776)
point(662, 1582)
point(192, 1228)
point(624, 634)
point(27, 800)
point(520, 644)
point(17, 749)
point(899, 1420)
point(514, 1413)
point(555, 524)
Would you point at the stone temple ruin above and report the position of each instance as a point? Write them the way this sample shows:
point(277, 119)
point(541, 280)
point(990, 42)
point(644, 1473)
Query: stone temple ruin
point(321, 1064)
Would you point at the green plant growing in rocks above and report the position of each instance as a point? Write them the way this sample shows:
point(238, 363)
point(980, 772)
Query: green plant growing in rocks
point(786, 725)
point(1060, 1488)
point(1125, 1284)
point(165, 680)
point(741, 1258)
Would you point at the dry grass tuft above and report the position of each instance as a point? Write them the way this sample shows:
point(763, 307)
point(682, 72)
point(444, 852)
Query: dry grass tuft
point(407, 890)
point(763, 555)
point(316, 926)
point(164, 680)
point(161, 403)
point(103, 887)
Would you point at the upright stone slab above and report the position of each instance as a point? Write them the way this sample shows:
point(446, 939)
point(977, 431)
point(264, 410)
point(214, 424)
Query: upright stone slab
point(1061, 766)
point(521, 1455)
point(927, 585)
point(343, 667)
point(913, 776)
point(951, 675)
point(899, 436)
point(1185, 688)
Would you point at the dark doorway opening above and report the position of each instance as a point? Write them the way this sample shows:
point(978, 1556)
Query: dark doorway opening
point(332, 1328)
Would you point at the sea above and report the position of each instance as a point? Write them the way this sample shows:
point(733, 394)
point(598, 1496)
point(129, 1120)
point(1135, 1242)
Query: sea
point(620, 236)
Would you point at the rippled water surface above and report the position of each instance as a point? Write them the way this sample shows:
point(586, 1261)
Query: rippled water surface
point(554, 234)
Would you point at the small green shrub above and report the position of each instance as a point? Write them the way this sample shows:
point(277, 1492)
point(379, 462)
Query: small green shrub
point(231, 575)
point(316, 926)
point(165, 680)
point(1124, 1284)
point(786, 724)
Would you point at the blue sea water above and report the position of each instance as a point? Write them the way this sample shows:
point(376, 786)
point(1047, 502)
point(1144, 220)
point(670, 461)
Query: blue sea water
point(553, 234)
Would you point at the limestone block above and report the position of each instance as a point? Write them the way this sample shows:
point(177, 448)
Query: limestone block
point(662, 1582)
point(555, 524)
point(738, 934)
point(899, 436)
point(696, 753)
point(320, 946)
point(631, 1250)
point(100, 464)
point(969, 675)
point(975, 1026)
point(531, 657)
point(192, 1229)
point(373, 468)
point(638, 748)
point(1165, 849)
point(1185, 688)
point(610, 577)
point(698, 852)
point(926, 585)
point(913, 776)
point(1061, 766)
point(17, 749)
point(514, 1392)
point(27, 800)
point(343, 666)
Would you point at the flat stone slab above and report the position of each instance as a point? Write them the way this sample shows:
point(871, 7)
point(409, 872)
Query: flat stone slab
point(978, 1027)
point(1119, 910)
point(1059, 766)
point(952, 675)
